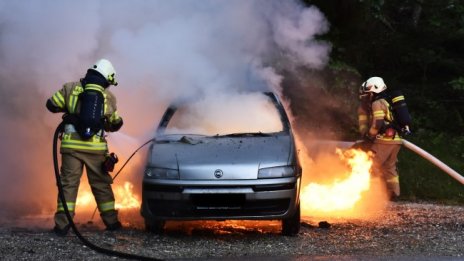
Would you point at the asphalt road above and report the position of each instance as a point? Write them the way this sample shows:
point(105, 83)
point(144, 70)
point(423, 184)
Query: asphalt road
point(404, 231)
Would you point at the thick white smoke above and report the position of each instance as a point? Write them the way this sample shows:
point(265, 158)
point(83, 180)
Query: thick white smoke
point(162, 50)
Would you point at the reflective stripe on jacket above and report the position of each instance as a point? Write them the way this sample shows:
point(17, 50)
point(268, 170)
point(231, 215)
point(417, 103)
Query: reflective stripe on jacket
point(381, 111)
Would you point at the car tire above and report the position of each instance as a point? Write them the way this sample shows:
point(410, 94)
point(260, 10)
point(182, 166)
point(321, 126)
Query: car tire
point(154, 226)
point(291, 225)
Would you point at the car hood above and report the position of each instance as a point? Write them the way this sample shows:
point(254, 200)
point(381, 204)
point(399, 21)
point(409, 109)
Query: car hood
point(237, 157)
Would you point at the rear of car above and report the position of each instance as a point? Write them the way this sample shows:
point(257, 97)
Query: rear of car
point(239, 163)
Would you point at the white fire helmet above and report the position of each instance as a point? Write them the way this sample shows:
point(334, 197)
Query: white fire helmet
point(105, 68)
point(373, 84)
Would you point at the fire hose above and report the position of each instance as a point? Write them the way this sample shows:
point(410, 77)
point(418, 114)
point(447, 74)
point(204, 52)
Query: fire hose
point(434, 161)
point(61, 197)
point(424, 154)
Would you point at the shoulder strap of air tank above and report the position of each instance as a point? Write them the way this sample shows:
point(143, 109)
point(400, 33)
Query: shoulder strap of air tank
point(94, 87)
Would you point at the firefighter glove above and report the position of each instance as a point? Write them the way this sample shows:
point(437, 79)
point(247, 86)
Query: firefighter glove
point(110, 161)
point(368, 138)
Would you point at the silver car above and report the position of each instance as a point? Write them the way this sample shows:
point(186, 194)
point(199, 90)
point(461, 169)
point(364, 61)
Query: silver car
point(223, 160)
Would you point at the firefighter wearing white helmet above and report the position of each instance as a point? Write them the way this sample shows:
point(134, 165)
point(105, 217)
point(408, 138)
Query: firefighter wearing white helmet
point(374, 116)
point(106, 69)
point(90, 111)
point(373, 84)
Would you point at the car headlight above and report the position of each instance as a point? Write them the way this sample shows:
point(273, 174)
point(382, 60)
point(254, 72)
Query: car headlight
point(276, 172)
point(160, 173)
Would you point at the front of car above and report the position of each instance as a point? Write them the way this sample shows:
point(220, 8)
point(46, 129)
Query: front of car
point(196, 170)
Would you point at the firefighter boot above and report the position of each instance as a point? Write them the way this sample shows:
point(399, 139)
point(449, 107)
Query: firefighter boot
point(114, 226)
point(62, 225)
point(110, 219)
point(393, 188)
point(61, 232)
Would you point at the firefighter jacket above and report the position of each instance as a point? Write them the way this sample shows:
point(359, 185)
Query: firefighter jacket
point(66, 100)
point(374, 119)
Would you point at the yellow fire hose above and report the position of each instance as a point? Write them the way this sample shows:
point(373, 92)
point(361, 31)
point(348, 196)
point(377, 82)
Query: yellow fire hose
point(424, 154)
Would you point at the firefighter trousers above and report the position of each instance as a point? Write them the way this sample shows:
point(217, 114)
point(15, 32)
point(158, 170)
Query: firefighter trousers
point(384, 165)
point(72, 164)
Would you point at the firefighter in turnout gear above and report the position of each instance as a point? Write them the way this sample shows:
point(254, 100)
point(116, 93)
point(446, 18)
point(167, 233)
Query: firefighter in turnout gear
point(375, 125)
point(89, 110)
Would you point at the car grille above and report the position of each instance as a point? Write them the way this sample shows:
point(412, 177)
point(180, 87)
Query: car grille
point(274, 187)
point(162, 188)
point(217, 205)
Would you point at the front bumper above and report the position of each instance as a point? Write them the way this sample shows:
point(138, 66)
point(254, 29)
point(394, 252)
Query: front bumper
point(195, 200)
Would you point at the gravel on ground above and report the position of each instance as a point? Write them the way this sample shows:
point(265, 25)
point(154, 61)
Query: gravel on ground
point(405, 230)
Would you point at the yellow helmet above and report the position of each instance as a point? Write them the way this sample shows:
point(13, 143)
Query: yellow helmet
point(105, 68)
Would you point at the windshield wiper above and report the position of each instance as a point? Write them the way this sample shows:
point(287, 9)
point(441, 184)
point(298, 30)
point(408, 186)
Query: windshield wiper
point(246, 134)
point(182, 138)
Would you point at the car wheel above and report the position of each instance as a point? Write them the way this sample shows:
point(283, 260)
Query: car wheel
point(291, 225)
point(154, 226)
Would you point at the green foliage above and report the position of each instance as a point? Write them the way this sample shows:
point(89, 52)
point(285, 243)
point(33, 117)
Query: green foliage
point(457, 84)
point(339, 66)
point(420, 179)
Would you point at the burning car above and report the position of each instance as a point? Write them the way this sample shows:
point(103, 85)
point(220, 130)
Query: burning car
point(223, 159)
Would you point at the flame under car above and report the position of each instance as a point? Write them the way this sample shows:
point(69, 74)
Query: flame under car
point(221, 161)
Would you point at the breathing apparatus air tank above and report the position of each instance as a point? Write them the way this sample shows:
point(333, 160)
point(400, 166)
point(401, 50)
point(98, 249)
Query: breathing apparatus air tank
point(91, 113)
point(400, 111)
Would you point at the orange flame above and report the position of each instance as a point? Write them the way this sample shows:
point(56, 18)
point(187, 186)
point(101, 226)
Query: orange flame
point(84, 199)
point(340, 196)
point(124, 196)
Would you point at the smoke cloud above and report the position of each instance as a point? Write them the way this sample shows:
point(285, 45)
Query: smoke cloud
point(162, 51)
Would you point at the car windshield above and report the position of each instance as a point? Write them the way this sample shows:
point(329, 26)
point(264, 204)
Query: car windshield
point(224, 115)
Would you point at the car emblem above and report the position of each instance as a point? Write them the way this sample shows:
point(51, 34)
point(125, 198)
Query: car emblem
point(218, 173)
